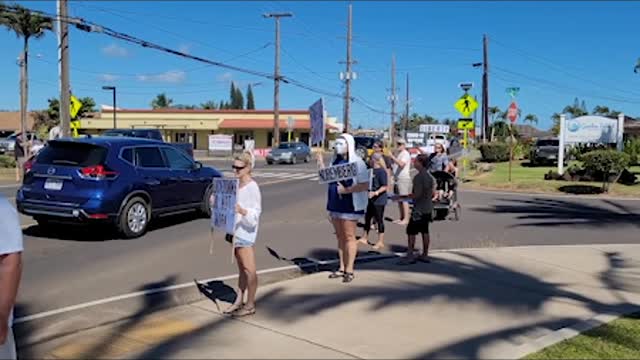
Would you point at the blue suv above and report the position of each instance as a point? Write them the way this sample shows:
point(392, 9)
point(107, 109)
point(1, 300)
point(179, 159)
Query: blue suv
point(124, 181)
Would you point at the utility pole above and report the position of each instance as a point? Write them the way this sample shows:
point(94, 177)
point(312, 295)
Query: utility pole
point(276, 78)
point(485, 87)
point(405, 125)
point(348, 75)
point(393, 99)
point(65, 92)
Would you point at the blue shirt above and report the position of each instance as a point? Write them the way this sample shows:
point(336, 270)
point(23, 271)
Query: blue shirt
point(340, 203)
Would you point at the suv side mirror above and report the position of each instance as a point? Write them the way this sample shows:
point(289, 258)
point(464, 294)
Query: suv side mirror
point(197, 165)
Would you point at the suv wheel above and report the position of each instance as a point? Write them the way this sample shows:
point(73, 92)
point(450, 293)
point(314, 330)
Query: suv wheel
point(307, 158)
point(294, 159)
point(134, 218)
point(205, 208)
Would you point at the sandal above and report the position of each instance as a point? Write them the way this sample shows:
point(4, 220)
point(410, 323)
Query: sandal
point(244, 312)
point(348, 277)
point(336, 274)
point(232, 309)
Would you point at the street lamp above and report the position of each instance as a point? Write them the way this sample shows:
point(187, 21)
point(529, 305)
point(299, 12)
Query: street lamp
point(113, 89)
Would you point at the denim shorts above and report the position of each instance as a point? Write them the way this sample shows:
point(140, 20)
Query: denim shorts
point(345, 216)
point(240, 243)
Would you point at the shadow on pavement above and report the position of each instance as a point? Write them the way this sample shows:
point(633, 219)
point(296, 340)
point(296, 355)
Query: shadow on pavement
point(101, 232)
point(581, 189)
point(217, 290)
point(545, 212)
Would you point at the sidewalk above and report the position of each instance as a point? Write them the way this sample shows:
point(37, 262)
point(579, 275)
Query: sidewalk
point(472, 303)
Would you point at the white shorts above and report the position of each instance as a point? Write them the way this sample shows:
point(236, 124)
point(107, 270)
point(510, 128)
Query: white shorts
point(403, 186)
point(8, 349)
point(345, 216)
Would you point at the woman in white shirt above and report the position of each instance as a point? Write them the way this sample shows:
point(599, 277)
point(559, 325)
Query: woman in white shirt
point(248, 209)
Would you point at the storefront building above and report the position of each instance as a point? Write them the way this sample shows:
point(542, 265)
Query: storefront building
point(195, 126)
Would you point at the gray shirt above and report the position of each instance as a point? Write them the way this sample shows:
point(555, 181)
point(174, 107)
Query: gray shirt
point(423, 186)
point(439, 163)
point(10, 233)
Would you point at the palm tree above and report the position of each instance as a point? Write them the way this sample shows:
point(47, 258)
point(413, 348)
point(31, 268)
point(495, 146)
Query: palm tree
point(531, 118)
point(575, 110)
point(27, 25)
point(494, 111)
point(209, 105)
point(601, 110)
point(161, 102)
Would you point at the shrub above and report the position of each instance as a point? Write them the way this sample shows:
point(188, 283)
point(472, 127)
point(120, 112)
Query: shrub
point(7, 162)
point(607, 162)
point(632, 148)
point(494, 152)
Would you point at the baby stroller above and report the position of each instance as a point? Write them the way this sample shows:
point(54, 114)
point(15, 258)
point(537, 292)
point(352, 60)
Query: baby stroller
point(447, 206)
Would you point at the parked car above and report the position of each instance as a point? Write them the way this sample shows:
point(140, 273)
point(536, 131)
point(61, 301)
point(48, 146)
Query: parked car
point(8, 145)
point(289, 152)
point(122, 181)
point(153, 134)
point(545, 151)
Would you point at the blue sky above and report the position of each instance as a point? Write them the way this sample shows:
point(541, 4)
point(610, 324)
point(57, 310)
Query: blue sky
point(554, 51)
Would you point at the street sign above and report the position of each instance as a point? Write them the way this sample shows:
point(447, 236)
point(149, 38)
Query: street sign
point(466, 86)
point(513, 91)
point(74, 107)
point(466, 105)
point(434, 128)
point(290, 123)
point(466, 124)
point(512, 114)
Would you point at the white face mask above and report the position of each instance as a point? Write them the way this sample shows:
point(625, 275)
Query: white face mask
point(341, 146)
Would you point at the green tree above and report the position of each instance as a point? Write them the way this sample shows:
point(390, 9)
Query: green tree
point(239, 100)
point(25, 25)
point(601, 110)
point(531, 118)
point(161, 102)
point(555, 129)
point(209, 105)
point(251, 105)
point(576, 110)
point(610, 163)
point(233, 96)
point(494, 111)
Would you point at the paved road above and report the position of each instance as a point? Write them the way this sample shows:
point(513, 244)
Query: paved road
point(73, 267)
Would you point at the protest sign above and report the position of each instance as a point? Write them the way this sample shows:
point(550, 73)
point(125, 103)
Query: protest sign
point(223, 214)
point(338, 173)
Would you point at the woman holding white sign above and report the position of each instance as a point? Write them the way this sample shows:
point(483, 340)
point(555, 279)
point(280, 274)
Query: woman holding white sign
point(346, 204)
point(248, 209)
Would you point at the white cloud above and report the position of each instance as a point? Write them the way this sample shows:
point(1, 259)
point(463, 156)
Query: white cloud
point(185, 48)
point(115, 51)
point(171, 76)
point(224, 77)
point(108, 77)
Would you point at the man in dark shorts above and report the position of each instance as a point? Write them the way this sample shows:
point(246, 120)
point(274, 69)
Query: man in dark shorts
point(423, 193)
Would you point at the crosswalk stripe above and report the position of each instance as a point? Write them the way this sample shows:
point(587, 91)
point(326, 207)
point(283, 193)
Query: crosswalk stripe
point(304, 176)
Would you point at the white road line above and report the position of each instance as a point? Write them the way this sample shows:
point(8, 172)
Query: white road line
point(9, 186)
point(267, 175)
point(304, 176)
point(315, 178)
point(85, 305)
point(562, 196)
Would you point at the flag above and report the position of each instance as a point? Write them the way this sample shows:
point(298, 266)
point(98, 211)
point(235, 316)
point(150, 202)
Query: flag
point(316, 114)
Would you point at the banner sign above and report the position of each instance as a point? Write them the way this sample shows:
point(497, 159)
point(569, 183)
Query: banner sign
point(316, 114)
point(221, 143)
point(434, 128)
point(591, 129)
point(338, 173)
point(223, 215)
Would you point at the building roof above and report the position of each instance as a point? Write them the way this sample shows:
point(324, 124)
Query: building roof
point(10, 120)
point(202, 111)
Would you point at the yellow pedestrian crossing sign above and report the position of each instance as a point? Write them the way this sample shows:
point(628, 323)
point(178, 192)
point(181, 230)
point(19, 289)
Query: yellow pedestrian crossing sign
point(466, 105)
point(465, 124)
point(74, 107)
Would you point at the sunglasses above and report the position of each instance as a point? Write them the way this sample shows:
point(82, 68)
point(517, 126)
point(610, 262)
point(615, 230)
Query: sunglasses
point(238, 168)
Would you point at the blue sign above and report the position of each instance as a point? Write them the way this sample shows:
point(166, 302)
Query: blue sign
point(316, 114)
point(591, 129)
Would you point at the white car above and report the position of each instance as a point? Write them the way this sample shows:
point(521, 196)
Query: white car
point(433, 140)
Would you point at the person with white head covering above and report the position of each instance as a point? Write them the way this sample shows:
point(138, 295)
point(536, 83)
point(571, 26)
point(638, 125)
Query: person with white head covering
point(346, 203)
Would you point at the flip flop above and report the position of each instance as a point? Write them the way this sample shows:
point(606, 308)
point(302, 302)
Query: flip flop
point(244, 312)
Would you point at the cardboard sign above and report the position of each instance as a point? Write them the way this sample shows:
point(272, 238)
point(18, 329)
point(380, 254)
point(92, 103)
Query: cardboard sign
point(223, 215)
point(338, 173)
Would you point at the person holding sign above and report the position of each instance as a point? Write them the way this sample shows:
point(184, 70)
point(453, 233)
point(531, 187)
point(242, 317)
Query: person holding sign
point(346, 203)
point(248, 208)
point(377, 200)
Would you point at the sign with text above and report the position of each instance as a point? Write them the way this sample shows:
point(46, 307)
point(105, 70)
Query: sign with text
point(221, 143)
point(466, 124)
point(434, 128)
point(591, 129)
point(316, 114)
point(338, 173)
point(223, 215)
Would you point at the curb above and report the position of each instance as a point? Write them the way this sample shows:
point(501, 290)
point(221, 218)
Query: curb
point(42, 327)
point(546, 194)
point(568, 332)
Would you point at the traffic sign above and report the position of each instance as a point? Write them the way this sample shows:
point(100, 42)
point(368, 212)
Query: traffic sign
point(434, 128)
point(74, 107)
point(466, 105)
point(512, 114)
point(466, 124)
point(513, 91)
point(465, 86)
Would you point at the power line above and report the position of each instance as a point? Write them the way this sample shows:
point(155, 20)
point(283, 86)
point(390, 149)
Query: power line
point(306, 67)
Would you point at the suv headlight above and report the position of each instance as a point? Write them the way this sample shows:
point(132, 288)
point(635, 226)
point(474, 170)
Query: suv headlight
point(287, 154)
